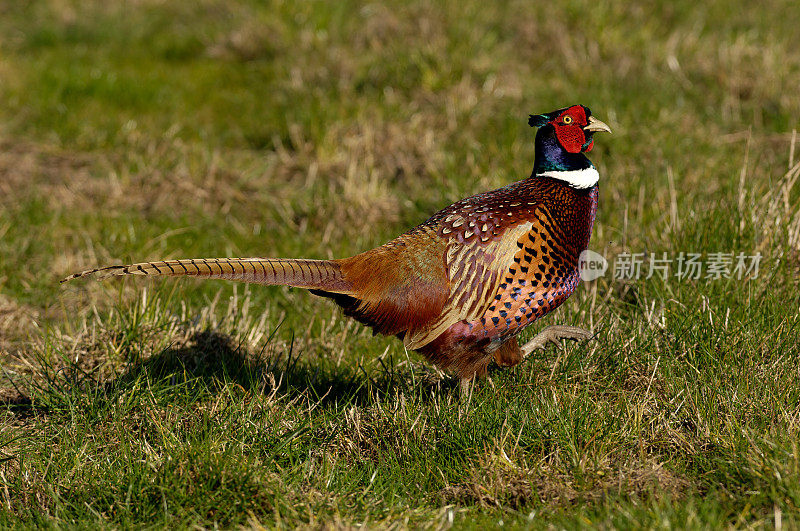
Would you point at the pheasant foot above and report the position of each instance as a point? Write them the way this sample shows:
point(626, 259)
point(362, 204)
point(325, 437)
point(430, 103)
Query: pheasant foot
point(552, 334)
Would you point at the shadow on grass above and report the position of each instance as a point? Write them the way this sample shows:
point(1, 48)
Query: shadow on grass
point(213, 360)
point(217, 360)
point(18, 404)
point(209, 362)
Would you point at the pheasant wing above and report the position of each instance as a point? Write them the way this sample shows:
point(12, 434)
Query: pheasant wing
point(504, 273)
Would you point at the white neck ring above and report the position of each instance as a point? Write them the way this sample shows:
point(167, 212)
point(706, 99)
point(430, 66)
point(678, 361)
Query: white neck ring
point(585, 178)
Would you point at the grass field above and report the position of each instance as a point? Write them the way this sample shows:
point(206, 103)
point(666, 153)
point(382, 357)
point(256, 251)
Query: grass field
point(149, 129)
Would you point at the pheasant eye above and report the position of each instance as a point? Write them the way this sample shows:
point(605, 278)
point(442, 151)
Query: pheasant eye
point(567, 120)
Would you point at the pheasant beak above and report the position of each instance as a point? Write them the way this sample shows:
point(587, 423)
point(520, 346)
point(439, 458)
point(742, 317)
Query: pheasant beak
point(596, 125)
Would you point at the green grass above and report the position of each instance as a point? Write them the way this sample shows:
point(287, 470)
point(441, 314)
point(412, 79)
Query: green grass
point(146, 130)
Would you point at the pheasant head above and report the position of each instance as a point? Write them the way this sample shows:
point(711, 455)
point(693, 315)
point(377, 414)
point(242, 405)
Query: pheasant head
point(564, 136)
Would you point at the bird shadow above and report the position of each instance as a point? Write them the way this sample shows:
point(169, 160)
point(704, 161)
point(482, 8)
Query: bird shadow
point(215, 360)
point(212, 361)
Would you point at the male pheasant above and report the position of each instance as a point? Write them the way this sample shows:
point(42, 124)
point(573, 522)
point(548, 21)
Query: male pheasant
point(462, 285)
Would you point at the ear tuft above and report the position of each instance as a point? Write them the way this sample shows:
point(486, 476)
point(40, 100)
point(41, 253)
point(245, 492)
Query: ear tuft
point(538, 120)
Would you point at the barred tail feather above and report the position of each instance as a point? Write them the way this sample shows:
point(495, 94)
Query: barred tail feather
point(323, 275)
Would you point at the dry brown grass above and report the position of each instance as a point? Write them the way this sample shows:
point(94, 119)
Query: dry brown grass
point(496, 481)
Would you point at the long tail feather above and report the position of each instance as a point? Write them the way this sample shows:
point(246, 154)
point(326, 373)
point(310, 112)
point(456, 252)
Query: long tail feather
point(323, 275)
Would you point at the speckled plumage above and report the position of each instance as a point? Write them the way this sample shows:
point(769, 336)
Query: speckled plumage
point(461, 286)
point(511, 256)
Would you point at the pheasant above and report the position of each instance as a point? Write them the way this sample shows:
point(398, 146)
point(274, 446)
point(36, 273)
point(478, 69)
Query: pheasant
point(461, 286)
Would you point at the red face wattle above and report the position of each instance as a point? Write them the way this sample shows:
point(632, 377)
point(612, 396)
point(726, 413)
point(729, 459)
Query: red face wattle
point(569, 130)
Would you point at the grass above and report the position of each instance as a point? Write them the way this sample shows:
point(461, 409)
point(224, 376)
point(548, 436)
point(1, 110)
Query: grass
point(145, 130)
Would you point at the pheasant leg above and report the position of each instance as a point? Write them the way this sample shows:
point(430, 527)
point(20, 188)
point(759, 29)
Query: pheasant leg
point(552, 334)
